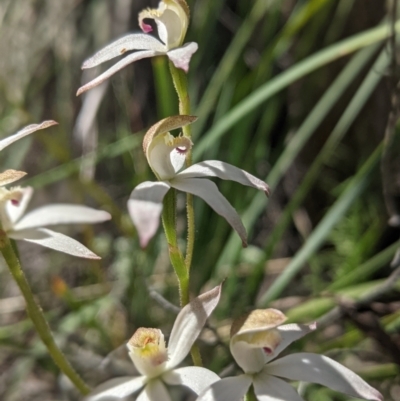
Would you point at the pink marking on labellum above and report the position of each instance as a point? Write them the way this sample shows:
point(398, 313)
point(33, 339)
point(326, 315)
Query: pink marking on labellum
point(146, 28)
point(267, 350)
point(181, 150)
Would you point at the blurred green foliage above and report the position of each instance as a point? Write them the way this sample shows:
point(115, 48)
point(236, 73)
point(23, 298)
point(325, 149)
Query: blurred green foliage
point(296, 92)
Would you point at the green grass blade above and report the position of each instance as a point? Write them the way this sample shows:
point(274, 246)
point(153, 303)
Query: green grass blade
point(320, 233)
point(286, 78)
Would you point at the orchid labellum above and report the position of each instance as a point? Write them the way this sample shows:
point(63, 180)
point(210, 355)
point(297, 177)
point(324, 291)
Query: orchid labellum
point(166, 155)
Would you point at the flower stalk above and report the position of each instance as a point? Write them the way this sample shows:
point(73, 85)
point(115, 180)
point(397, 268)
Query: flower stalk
point(181, 87)
point(180, 83)
point(35, 313)
point(175, 255)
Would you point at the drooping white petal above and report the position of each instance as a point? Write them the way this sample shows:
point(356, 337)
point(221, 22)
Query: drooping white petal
point(61, 214)
point(24, 132)
point(9, 176)
point(15, 211)
point(269, 388)
point(145, 207)
point(116, 67)
point(119, 387)
point(188, 325)
point(320, 369)
point(228, 389)
point(209, 192)
point(54, 240)
point(196, 378)
point(216, 168)
point(154, 391)
point(181, 56)
point(135, 41)
point(289, 333)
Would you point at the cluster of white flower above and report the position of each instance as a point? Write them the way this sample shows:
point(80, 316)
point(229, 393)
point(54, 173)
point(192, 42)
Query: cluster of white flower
point(256, 339)
point(14, 201)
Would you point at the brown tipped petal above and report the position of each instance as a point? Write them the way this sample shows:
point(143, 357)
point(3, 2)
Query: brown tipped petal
point(188, 325)
point(181, 56)
point(54, 240)
point(115, 68)
point(25, 131)
point(9, 176)
point(61, 214)
point(136, 41)
point(216, 168)
point(313, 368)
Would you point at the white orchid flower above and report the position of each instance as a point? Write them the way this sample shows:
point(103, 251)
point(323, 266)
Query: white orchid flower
point(166, 156)
point(9, 176)
point(256, 340)
point(157, 364)
point(172, 19)
point(30, 227)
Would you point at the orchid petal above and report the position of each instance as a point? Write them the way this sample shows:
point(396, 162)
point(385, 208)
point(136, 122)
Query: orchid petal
point(24, 132)
point(54, 240)
point(145, 207)
point(320, 369)
point(115, 68)
point(119, 387)
point(9, 176)
point(269, 388)
point(61, 214)
point(289, 333)
point(209, 192)
point(181, 56)
point(188, 325)
point(135, 41)
point(154, 391)
point(228, 389)
point(15, 211)
point(196, 378)
point(225, 171)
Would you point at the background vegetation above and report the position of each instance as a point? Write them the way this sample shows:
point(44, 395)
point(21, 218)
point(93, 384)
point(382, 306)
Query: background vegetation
point(303, 94)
